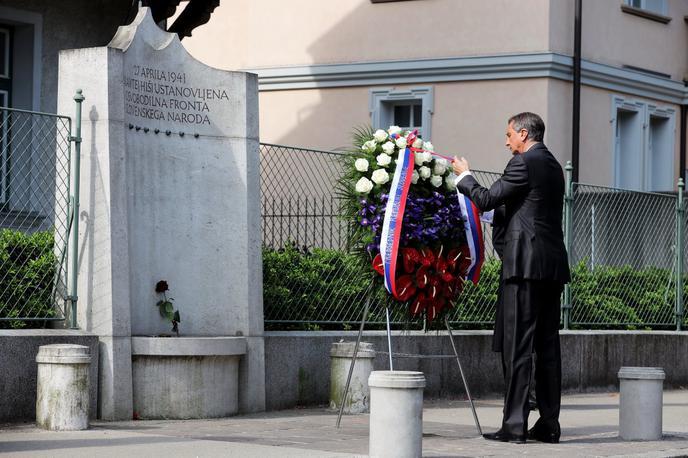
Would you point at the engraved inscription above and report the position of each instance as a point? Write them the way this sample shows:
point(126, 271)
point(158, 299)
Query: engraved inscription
point(164, 95)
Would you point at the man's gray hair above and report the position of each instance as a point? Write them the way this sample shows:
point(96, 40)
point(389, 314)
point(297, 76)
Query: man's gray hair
point(530, 122)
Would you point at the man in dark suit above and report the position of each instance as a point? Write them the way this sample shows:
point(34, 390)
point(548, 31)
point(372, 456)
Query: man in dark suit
point(534, 270)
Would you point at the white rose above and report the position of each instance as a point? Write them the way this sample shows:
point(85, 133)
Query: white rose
point(369, 146)
point(419, 158)
point(364, 185)
point(401, 142)
point(388, 147)
point(428, 146)
point(380, 176)
point(394, 130)
point(383, 159)
point(450, 182)
point(427, 157)
point(425, 172)
point(418, 143)
point(361, 165)
point(440, 167)
point(414, 177)
point(436, 181)
point(380, 135)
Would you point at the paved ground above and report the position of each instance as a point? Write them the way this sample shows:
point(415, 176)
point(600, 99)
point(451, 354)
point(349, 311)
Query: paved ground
point(590, 428)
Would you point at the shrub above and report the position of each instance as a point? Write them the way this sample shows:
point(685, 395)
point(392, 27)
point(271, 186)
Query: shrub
point(27, 272)
point(329, 285)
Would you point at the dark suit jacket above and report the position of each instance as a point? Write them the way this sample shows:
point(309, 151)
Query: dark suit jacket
point(499, 230)
point(532, 192)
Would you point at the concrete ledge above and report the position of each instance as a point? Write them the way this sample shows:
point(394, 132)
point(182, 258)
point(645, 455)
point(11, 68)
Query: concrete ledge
point(188, 346)
point(18, 381)
point(297, 364)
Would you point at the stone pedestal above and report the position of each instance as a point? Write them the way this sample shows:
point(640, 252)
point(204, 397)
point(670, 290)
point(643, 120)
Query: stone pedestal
point(341, 357)
point(396, 414)
point(640, 403)
point(62, 397)
point(170, 190)
point(186, 377)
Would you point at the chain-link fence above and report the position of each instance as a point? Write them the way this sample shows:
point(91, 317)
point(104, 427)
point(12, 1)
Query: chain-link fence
point(34, 205)
point(623, 252)
point(623, 257)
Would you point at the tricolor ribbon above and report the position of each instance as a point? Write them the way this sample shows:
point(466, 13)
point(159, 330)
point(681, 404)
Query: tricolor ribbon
point(474, 237)
point(394, 216)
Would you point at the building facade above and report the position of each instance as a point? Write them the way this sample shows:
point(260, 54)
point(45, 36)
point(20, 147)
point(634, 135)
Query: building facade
point(458, 69)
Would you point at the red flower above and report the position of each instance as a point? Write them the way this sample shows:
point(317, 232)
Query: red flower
point(422, 276)
point(161, 286)
point(378, 265)
point(409, 258)
point(418, 304)
point(427, 256)
point(405, 288)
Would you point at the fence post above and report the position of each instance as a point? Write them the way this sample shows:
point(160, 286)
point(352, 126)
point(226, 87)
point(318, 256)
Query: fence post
point(74, 201)
point(679, 255)
point(568, 235)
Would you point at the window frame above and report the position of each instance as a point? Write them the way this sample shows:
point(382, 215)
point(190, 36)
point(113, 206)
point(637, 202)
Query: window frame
point(646, 13)
point(380, 97)
point(644, 110)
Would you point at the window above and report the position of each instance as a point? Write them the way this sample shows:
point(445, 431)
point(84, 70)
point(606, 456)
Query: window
point(407, 108)
point(643, 146)
point(655, 10)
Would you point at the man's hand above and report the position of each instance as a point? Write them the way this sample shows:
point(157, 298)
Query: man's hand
point(460, 165)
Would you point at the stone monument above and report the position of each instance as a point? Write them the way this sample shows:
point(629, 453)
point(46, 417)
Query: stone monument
point(169, 191)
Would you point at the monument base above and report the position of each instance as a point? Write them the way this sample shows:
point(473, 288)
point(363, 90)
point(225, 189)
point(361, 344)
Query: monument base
point(186, 377)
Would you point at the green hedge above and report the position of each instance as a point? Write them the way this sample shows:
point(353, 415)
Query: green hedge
point(322, 285)
point(623, 297)
point(27, 270)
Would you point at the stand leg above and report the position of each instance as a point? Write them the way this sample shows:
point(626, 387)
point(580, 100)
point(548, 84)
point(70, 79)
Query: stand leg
point(389, 340)
point(465, 385)
point(353, 361)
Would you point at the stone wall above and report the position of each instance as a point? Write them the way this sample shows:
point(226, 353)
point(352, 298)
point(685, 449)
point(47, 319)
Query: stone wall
point(18, 350)
point(297, 364)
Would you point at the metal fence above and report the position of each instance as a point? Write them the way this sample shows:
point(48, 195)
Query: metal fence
point(34, 214)
point(627, 262)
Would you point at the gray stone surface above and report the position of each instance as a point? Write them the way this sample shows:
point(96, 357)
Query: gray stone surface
point(18, 383)
point(62, 397)
point(170, 191)
point(396, 414)
point(589, 428)
point(188, 346)
point(341, 358)
point(590, 361)
point(640, 404)
point(182, 387)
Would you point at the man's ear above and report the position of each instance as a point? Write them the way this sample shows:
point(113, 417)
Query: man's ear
point(523, 133)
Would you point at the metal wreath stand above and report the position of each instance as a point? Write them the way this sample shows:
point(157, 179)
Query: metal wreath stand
point(391, 364)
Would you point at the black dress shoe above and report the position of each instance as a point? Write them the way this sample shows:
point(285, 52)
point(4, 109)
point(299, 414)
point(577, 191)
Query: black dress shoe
point(549, 437)
point(501, 436)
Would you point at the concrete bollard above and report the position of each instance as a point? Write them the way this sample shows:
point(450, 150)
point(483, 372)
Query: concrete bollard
point(640, 404)
point(62, 397)
point(396, 414)
point(341, 356)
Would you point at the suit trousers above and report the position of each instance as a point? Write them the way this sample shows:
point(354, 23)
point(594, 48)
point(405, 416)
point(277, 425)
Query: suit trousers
point(530, 323)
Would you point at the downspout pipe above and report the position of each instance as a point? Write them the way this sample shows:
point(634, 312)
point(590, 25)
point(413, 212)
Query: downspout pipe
point(575, 140)
point(682, 149)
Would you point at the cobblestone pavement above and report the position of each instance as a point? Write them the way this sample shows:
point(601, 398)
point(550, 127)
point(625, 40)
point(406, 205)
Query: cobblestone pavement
point(589, 428)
